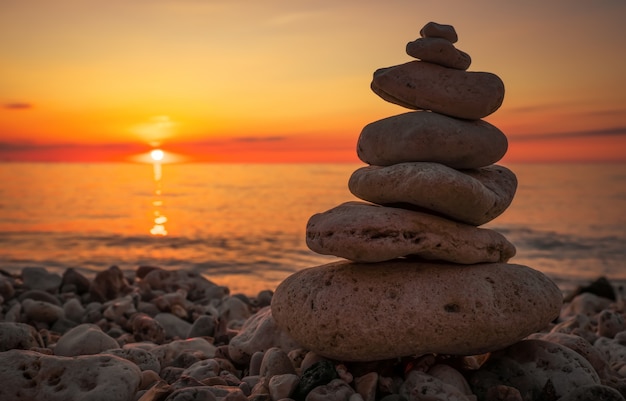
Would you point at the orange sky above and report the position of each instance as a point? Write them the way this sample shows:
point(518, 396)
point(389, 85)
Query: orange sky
point(234, 80)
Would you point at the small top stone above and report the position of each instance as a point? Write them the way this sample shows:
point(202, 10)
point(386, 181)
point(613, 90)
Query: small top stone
point(435, 30)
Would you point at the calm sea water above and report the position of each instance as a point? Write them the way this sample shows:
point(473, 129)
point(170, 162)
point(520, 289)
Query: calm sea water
point(243, 226)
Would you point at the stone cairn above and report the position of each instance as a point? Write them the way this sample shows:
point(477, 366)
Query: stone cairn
point(421, 276)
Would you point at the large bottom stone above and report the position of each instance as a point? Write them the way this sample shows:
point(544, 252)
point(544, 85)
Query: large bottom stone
point(364, 312)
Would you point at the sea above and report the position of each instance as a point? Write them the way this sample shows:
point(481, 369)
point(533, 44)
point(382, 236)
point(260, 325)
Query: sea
point(243, 225)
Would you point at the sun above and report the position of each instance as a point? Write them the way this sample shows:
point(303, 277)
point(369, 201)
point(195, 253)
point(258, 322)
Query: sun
point(157, 155)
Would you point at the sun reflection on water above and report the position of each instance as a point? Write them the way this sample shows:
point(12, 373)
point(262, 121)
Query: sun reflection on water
point(159, 220)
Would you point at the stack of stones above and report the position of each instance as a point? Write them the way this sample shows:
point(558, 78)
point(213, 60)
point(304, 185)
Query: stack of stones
point(421, 277)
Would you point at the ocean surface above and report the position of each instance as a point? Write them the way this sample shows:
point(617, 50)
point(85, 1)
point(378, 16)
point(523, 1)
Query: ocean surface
point(243, 225)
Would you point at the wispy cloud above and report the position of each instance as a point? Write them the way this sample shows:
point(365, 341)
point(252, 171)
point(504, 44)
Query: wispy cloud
point(606, 112)
point(617, 131)
point(259, 139)
point(292, 18)
point(17, 106)
point(31, 146)
point(577, 108)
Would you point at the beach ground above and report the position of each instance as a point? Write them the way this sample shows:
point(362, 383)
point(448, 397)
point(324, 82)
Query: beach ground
point(174, 335)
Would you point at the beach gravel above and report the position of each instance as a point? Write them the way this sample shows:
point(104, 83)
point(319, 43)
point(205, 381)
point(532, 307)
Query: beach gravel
point(118, 351)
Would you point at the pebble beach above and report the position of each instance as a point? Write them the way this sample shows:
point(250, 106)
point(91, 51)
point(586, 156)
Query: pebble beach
point(423, 305)
point(174, 335)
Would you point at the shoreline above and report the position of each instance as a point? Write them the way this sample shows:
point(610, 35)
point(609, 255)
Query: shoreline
point(175, 333)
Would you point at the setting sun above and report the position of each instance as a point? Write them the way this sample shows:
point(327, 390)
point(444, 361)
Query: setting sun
point(157, 155)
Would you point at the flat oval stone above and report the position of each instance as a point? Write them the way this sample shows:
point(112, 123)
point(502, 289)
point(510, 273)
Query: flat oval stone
point(435, 30)
point(365, 232)
point(421, 85)
point(470, 196)
point(373, 311)
point(439, 51)
point(421, 136)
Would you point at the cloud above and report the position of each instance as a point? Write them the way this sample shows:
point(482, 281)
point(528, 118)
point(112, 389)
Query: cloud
point(567, 107)
point(16, 146)
point(17, 106)
point(291, 18)
point(32, 146)
point(617, 131)
point(606, 113)
point(259, 139)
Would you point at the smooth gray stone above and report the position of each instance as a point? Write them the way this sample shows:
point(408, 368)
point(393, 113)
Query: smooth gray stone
point(193, 349)
point(84, 339)
point(259, 333)
point(421, 85)
point(472, 196)
point(40, 311)
point(365, 232)
point(275, 362)
point(38, 278)
point(422, 136)
point(204, 325)
point(374, 311)
point(144, 359)
point(439, 51)
point(173, 326)
point(282, 386)
point(336, 390)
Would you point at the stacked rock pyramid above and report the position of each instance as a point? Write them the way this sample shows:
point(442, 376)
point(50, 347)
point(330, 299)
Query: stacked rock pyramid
point(421, 276)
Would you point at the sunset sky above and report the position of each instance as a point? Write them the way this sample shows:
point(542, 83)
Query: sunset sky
point(278, 80)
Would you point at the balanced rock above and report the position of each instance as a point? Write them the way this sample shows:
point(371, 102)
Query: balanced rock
point(365, 232)
point(435, 30)
point(421, 136)
point(421, 85)
point(471, 196)
point(373, 311)
point(439, 51)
